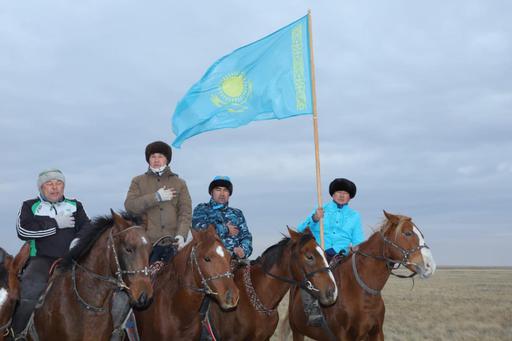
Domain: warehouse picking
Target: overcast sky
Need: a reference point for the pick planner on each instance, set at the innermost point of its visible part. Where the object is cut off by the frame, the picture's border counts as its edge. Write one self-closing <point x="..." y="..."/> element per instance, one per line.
<point x="414" y="103"/>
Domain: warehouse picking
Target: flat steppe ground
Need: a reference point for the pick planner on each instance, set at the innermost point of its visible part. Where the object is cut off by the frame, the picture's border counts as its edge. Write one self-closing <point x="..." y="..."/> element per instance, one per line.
<point x="454" y="304"/>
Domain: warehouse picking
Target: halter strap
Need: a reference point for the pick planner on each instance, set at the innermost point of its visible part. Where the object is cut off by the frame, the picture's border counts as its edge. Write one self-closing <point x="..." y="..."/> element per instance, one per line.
<point x="205" y="289"/>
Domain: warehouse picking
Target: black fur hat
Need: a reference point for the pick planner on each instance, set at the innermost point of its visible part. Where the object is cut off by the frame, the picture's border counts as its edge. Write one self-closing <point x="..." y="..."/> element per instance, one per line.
<point x="342" y="184"/>
<point x="221" y="181"/>
<point x="159" y="147"/>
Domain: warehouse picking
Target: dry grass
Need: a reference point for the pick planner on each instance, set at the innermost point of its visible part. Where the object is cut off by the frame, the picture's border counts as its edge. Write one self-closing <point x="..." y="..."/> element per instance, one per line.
<point x="455" y="304"/>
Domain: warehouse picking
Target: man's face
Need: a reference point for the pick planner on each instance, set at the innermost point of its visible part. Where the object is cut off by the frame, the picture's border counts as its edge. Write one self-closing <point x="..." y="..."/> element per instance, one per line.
<point x="220" y="195"/>
<point x="53" y="190"/>
<point x="341" y="197"/>
<point x="157" y="160"/>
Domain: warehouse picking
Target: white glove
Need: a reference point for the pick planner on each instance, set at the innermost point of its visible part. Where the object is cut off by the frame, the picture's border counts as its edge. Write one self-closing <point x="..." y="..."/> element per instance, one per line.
<point x="179" y="241"/>
<point x="165" y="194"/>
<point x="65" y="221"/>
<point x="73" y="243"/>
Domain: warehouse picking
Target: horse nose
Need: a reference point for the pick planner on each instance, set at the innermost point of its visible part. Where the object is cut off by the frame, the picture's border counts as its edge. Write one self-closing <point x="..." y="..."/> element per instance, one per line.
<point x="143" y="299"/>
<point x="332" y="293"/>
<point x="231" y="298"/>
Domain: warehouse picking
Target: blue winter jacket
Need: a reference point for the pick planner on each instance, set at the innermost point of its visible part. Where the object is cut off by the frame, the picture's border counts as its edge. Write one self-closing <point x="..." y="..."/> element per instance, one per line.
<point x="219" y="215"/>
<point x="342" y="227"/>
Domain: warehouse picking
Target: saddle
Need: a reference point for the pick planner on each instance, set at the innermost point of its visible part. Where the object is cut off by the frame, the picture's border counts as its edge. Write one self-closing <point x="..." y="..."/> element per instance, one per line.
<point x="164" y="250"/>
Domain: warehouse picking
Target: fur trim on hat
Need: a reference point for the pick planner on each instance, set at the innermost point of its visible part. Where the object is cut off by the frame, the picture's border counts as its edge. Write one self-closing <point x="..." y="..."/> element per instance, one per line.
<point x="342" y="184"/>
<point x="221" y="181"/>
<point x="159" y="147"/>
<point x="48" y="175"/>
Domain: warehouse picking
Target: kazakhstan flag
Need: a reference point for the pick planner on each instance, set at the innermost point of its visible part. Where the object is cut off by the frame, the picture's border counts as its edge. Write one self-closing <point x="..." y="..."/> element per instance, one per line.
<point x="268" y="79"/>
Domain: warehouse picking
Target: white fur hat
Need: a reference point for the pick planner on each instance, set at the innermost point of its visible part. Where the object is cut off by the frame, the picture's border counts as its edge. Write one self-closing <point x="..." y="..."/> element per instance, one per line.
<point x="48" y="175"/>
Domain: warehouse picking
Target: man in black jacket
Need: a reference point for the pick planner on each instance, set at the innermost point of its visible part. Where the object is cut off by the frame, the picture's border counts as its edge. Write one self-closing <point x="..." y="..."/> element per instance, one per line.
<point x="50" y="223"/>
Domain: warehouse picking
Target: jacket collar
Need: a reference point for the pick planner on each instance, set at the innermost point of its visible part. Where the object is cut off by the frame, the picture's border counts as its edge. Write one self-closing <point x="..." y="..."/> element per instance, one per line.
<point x="338" y="206"/>
<point x="167" y="171"/>
<point x="216" y="206"/>
<point x="44" y="199"/>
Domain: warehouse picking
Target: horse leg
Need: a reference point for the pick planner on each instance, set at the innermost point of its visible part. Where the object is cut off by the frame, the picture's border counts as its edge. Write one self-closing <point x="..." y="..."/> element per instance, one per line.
<point x="376" y="335"/>
<point x="297" y="336"/>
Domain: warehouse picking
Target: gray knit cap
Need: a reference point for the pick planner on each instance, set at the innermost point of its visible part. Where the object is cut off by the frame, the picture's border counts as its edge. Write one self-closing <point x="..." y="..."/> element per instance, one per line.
<point x="48" y="175"/>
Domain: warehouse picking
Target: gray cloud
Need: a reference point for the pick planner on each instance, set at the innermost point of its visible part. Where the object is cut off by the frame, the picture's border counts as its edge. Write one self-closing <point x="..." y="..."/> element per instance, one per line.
<point x="413" y="104"/>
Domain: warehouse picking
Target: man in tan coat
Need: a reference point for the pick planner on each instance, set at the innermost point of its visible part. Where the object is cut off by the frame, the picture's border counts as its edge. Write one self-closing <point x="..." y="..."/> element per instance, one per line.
<point x="162" y="199"/>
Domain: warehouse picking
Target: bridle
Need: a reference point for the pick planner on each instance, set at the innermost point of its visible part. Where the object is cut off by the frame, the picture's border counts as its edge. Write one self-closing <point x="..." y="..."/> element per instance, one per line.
<point x="305" y="283"/>
<point x="116" y="281"/>
<point x="391" y="264"/>
<point x="205" y="288"/>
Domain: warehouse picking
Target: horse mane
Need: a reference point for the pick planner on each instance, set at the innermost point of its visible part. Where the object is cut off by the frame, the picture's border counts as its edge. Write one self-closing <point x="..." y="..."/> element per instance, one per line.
<point x="387" y="224"/>
<point x="90" y="234"/>
<point x="273" y="253"/>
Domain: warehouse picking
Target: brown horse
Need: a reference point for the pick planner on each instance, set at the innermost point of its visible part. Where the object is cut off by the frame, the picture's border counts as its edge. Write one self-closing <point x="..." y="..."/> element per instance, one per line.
<point x="296" y="261"/>
<point x="10" y="267"/>
<point x="112" y="255"/>
<point x="359" y="312"/>
<point x="201" y="268"/>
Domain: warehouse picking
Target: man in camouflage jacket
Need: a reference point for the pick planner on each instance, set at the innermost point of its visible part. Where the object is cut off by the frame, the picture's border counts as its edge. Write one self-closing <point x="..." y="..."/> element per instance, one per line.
<point x="229" y="222"/>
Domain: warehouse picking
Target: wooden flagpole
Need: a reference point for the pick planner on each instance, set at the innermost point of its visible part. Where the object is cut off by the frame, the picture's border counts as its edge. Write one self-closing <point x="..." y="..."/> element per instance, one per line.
<point x="315" y="127"/>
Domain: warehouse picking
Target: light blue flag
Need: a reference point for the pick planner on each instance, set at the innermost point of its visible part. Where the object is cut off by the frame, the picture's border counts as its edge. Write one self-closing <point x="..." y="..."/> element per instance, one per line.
<point x="268" y="79"/>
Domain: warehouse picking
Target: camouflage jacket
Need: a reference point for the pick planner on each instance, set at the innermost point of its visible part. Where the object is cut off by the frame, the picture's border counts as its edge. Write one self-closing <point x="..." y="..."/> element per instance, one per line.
<point x="219" y="215"/>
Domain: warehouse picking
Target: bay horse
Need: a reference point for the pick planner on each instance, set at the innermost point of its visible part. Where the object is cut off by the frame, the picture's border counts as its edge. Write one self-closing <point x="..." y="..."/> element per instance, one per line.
<point x="10" y="267"/>
<point x="200" y="268"/>
<point x="359" y="312"/>
<point x="297" y="261"/>
<point x="112" y="255"/>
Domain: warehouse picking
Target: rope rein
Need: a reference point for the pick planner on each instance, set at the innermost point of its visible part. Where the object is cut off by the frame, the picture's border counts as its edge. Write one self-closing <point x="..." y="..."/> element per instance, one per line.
<point x="253" y="297"/>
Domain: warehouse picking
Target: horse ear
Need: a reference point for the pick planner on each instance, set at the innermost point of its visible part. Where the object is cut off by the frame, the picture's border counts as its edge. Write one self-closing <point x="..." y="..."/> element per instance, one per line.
<point x="307" y="231"/>
<point x="118" y="220"/>
<point x="391" y="217"/>
<point x="293" y="234"/>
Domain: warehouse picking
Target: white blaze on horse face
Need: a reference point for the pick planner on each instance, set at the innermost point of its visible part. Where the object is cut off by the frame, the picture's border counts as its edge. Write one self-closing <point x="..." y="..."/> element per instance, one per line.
<point x="220" y="251"/>
<point x="331" y="276"/>
<point x="3" y="297"/>
<point x="429" y="265"/>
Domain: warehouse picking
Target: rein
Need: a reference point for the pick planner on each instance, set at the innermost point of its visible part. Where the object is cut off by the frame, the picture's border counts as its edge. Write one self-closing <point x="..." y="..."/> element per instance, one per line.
<point x="253" y="297"/>
<point x="5" y="327"/>
<point x="305" y="283"/>
<point x="115" y="281"/>
<point x="205" y="289"/>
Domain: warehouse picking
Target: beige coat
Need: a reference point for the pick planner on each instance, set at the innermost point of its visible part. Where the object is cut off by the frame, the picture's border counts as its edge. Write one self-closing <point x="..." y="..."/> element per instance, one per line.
<point x="172" y="217"/>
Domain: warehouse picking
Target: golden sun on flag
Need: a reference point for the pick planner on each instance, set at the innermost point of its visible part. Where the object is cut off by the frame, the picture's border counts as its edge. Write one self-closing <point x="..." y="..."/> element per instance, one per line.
<point x="234" y="90"/>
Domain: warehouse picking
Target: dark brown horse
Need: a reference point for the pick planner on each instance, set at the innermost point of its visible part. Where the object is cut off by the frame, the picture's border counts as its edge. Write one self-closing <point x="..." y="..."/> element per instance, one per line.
<point x="201" y="268"/>
<point x="296" y="261"/>
<point x="113" y="255"/>
<point x="10" y="285"/>
<point x="359" y="312"/>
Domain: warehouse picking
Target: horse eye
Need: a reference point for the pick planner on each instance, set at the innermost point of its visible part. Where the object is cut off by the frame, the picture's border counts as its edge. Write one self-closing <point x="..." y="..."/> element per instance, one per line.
<point x="408" y="233"/>
<point x="309" y="257"/>
<point x="207" y="259"/>
<point x="128" y="250"/>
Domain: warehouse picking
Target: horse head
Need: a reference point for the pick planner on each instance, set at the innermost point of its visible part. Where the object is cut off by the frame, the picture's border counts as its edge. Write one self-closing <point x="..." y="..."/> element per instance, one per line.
<point x="211" y="267"/>
<point x="131" y="249"/>
<point x="405" y="245"/>
<point x="309" y="265"/>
